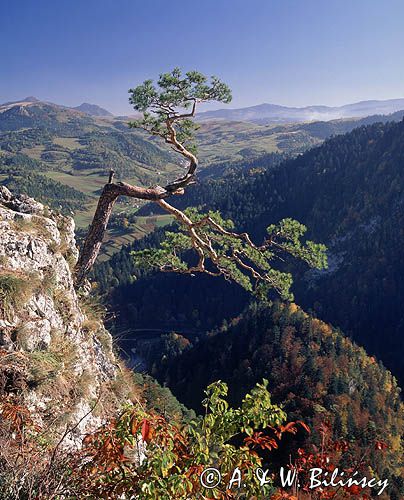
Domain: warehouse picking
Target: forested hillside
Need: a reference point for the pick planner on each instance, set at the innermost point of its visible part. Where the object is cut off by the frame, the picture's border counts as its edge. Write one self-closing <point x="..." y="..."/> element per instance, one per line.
<point x="70" y="142"/>
<point x="349" y="193"/>
<point x="62" y="157"/>
<point x="317" y="373"/>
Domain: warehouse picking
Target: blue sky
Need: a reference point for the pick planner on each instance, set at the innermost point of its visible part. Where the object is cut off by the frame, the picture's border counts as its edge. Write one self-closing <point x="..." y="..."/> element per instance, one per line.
<point x="291" y="52"/>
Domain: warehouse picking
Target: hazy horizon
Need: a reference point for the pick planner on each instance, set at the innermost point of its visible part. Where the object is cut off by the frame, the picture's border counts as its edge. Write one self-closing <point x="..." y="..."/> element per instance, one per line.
<point x="217" y="107"/>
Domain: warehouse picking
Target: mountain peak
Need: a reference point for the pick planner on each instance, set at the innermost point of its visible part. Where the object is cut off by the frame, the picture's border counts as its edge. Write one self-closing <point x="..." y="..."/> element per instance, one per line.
<point x="92" y="109"/>
<point x="30" y="98"/>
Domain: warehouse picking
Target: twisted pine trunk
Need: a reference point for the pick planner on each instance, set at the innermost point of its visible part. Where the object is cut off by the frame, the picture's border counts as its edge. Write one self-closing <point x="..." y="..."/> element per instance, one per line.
<point x="109" y="195"/>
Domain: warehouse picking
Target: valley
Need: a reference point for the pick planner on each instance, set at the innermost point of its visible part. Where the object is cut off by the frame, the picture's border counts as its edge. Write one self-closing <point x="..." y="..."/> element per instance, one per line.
<point x="349" y="193"/>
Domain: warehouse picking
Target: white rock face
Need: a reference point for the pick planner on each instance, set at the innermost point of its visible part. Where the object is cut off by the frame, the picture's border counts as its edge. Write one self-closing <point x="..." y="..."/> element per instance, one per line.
<point x="66" y="365"/>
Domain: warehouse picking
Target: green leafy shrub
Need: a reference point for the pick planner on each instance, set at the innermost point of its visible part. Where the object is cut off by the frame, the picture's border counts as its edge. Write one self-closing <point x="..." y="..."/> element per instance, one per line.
<point x="176" y="454"/>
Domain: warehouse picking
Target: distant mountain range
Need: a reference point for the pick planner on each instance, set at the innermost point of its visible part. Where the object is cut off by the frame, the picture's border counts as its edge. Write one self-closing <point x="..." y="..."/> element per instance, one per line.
<point x="273" y="113"/>
<point x="262" y="114"/>
<point x="85" y="107"/>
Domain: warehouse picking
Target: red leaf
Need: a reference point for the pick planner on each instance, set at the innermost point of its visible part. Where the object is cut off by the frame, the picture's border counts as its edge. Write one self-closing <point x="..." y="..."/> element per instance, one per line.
<point x="146" y="430"/>
<point x="134" y="426"/>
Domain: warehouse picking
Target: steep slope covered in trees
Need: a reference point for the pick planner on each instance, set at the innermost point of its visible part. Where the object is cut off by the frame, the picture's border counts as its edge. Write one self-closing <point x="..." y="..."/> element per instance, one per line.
<point x="312" y="368"/>
<point x="64" y="146"/>
<point x="349" y="192"/>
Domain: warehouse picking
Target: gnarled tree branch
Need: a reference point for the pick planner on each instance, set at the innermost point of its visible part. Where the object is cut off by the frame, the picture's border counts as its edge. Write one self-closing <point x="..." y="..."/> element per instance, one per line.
<point x="220" y="251"/>
<point x="95" y="235"/>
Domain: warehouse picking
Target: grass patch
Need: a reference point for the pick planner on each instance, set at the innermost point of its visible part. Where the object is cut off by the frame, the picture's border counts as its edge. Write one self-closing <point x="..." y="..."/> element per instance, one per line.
<point x="31" y="224"/>
<point x="124" y="387"/>
<point x="15" y="290"/>
<point x="71" y="143"/>
<point x="44" y="365"/>
<point x="63" y="304"/>
<point x="83" y="386"/>
<point x="3" y="260"/>
<point x="94" y="312"/>
<point x="104" y="338"/>
<point x="52" y="368"/>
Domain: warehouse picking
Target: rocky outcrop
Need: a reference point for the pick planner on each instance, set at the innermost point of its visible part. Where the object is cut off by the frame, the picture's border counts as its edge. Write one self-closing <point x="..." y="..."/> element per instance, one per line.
<point x="54" y="350"/>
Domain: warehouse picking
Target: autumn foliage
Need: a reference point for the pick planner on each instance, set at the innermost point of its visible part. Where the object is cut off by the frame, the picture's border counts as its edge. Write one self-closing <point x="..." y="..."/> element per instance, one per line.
<point x="143" y="455"/>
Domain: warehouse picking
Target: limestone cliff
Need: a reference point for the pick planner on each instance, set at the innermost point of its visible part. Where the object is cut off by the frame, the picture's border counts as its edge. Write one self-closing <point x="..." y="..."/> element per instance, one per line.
<point x="55" y="353"/>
